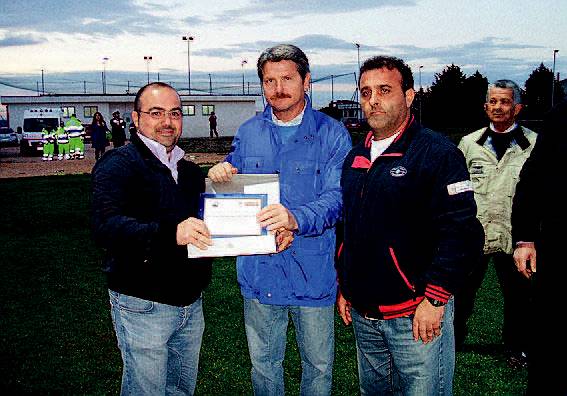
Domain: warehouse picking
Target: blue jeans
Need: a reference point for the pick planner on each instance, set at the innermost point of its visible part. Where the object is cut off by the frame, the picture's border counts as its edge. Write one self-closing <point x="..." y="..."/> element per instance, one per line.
<point x="159" y="344"/>
<point x="390" y="362"/>
<point x="266" y="331"/>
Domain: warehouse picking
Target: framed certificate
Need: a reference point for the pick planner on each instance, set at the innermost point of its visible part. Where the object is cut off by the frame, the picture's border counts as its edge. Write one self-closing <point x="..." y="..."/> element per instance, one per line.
<point x="229" y="215"/>
<point x="229" y="210"/>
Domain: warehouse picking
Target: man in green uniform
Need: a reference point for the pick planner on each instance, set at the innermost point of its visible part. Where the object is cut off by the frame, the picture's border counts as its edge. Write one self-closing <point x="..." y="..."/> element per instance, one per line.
<point x="75" y="130"/>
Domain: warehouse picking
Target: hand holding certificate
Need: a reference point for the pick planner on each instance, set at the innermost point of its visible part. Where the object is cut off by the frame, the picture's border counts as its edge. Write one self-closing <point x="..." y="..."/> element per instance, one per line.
<point x="229" y="211"/>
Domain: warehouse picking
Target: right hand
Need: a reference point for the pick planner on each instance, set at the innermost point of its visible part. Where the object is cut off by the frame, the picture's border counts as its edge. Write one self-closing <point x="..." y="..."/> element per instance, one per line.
<point x="194" y="232"/>
<point x="343" y="306"/>
<point x="222" y="172"/>
<point x="524" y="253"/>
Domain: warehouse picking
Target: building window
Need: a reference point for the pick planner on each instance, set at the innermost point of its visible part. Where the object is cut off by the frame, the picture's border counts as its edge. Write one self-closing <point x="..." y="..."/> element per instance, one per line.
<point x="188" y="110"/>
<point x="208" y="109"/>
<point x="89" y="111"/>
<point x="68" y="111"/>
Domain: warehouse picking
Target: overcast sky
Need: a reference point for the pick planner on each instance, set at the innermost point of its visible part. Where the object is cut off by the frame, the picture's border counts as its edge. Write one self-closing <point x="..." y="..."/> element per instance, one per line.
<point x="502" y="39"/>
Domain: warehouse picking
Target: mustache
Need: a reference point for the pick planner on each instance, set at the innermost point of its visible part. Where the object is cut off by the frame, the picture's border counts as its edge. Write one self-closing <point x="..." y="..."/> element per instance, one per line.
<point x="281" y="96"/>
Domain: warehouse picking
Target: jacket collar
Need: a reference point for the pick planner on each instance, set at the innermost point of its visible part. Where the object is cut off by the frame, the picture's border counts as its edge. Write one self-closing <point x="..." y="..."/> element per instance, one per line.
<point x="518" y="133"/>
<point x="307" y="112"/>
<point x="144" y="150"/>
<point x="402" y="141"/>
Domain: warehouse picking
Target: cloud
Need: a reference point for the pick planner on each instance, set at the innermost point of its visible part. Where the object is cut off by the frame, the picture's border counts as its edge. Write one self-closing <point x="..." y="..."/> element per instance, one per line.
<point x="106" y="18"/>
<point x="486" y="48"/>
<point x="20" y="40"/>
<point x="194" y="21"/>
<point x="286" y="8"/>
<point x="310" y="43"/>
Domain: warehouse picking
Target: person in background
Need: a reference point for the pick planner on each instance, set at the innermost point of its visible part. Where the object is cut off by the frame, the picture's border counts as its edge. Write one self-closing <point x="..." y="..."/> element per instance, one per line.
<point x="98" y="134"/>
<point x="539" y="217"/>
<point x="48" y="139"/>
<point x="145" y="205"/>
<point x="76" y="133"/>
<point x="118" y="129"/>
<point x="132" y="129"/>
<point x="62" y="139"/>
<point x="410" y="237"/>
<point x="495" y="155"/>
<point x="213" y="124"/>
<point x="306" y="148"/>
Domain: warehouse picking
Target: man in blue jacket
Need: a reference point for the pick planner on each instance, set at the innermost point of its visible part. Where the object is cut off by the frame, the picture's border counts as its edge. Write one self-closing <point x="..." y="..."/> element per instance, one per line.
<point x="411" y="237"/>
<point x="306" y="148"/>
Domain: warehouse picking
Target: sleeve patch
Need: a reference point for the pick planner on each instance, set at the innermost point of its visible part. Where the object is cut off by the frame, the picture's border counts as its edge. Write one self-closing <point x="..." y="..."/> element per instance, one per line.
<point x="460" y="187"/>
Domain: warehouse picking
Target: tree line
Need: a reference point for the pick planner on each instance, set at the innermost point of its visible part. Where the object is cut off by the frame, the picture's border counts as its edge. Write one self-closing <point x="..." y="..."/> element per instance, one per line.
<point x="456" y="101"/>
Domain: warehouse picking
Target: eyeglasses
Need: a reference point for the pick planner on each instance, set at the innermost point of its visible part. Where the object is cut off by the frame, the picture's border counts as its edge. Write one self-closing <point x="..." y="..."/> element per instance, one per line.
<point x="157" y="114"/>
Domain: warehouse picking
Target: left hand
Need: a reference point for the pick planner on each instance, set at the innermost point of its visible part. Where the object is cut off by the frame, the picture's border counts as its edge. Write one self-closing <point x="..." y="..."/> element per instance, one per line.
<point x="427" y="321"/>
<point x="284" y="238"/>
<point x="276" y="216"/>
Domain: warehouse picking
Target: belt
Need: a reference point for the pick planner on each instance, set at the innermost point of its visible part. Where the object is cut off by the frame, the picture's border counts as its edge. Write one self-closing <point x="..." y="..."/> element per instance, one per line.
<point x="371" y="313"/>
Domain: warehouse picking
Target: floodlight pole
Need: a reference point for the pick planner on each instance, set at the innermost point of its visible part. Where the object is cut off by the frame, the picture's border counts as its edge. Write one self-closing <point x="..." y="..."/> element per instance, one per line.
<point x="555" y="51"/>
<point x="188" y="38"/>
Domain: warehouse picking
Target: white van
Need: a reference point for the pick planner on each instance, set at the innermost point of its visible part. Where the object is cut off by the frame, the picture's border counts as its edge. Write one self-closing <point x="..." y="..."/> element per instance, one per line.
<point x="35" y="120"/>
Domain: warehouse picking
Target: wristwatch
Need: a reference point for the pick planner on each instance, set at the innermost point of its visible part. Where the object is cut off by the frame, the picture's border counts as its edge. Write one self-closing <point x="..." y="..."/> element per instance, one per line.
<point x="434" y="302"/>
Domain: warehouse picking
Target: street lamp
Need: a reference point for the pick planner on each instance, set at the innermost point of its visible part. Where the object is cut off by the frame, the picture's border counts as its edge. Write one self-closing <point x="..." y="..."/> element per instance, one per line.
<point x="242" y="63"/>
<point x="358" y="73"/>
<point x="420" y="92"/>
<point x="553" y="79"/>
<point x="148" y="59"/>
<point x="104" y="60"/>
<point x="188" y="39"/>
<point x="358" y="55"/>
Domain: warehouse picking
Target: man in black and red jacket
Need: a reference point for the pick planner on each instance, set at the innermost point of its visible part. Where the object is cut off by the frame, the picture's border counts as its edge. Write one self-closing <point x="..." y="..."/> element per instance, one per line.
<point x="411" y="237"/>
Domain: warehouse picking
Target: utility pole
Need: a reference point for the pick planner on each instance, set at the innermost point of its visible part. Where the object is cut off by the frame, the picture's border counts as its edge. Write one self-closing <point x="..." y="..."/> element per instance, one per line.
<point x="420" y="93"/>
<point x="104" y="60"/>
<point x="242" y="63"/>
<point x="555" y="51"/>
<point x="148" y="59"/>
<point x="188" y="38"/>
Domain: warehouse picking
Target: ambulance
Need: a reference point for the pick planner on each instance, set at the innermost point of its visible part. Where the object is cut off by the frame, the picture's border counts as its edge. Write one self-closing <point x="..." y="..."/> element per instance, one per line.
<point x="35" y="120"/>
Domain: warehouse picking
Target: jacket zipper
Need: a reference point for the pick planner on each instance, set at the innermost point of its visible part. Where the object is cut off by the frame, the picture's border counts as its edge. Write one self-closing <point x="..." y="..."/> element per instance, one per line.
<point x="397" y="264"/>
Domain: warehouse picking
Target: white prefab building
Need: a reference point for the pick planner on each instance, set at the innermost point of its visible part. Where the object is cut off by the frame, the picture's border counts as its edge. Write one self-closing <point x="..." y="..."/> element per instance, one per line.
<point x="231" y="111"/>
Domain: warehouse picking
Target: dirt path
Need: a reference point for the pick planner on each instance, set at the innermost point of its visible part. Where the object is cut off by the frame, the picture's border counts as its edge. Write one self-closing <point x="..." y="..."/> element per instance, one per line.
<point x="13" y="165"/>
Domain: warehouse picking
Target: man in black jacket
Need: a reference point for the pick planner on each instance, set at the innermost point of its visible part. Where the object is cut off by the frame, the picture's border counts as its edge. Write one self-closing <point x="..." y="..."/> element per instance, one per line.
<point x="411" y="236"/>
<point x="539" y="218"/>
<point x="145" y="203"/>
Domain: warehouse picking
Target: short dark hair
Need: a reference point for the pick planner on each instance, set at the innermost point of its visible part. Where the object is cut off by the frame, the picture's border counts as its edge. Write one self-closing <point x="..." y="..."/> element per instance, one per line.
<point x="144" y="88"/>
<point x="282" y="52"/>
<point x="390" y="63"/>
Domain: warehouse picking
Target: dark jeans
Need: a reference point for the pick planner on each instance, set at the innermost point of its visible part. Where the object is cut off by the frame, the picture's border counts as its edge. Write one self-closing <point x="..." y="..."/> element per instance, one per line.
<point x="516" y="292"/>
<point x="213" y="130"/>
<point x="98" y="152"/>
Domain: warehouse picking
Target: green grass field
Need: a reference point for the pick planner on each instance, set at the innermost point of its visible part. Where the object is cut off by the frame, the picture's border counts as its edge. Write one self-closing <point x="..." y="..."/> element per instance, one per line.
<point x="56" y="334"/>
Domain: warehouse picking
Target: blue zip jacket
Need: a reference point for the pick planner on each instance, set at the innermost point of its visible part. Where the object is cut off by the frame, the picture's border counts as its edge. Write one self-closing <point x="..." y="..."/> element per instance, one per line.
<point x="309" y="166"/>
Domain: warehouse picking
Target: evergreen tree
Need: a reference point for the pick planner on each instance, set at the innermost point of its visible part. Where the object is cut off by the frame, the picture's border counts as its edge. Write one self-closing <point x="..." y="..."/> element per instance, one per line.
<point x="475" y="96"/>
<point x="538" y="93"/>
<point x="444" y="99"/>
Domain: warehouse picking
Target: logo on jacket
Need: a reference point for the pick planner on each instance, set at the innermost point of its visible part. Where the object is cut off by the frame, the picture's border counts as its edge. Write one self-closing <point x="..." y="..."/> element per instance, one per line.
<point x="398" y="171"/>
